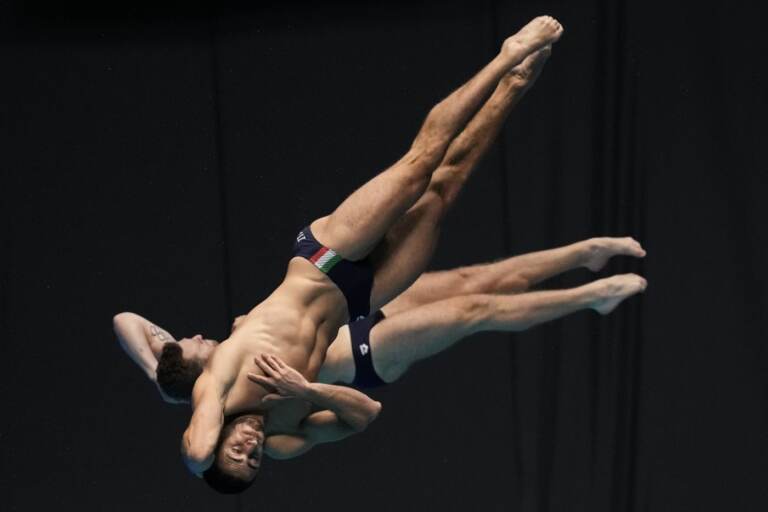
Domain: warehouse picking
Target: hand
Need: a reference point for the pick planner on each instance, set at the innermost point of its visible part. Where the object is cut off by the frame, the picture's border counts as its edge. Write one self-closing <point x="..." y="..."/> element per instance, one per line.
<point x="278" y="376"/>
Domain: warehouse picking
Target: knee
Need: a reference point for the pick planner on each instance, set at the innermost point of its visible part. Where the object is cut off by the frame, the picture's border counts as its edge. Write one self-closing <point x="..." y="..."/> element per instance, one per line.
<point x="433" y="205"/>
<point x="470" y="281"/>
<point x="447" y="182"/>
<point x="516" y="284"/>
<point x="473" y="310"/>
<point x="428" y="151"/>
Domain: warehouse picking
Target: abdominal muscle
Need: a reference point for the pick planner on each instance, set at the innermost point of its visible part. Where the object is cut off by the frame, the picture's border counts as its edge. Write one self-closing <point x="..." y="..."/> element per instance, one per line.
<point x="296" y="323"/>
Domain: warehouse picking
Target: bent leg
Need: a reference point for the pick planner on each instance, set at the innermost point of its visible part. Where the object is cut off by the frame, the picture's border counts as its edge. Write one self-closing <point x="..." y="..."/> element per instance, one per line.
<point x="409" y="336"/>
<point x="360" y="222"/>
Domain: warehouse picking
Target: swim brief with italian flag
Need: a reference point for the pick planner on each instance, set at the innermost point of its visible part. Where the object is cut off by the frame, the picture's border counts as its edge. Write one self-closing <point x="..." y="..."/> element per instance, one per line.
<point x="353" y="278"/>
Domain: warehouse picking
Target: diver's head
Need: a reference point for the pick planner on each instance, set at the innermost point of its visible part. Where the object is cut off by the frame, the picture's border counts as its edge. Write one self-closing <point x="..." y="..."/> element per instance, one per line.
<point x="238" y="455"/>
<point x="180" y="364"/>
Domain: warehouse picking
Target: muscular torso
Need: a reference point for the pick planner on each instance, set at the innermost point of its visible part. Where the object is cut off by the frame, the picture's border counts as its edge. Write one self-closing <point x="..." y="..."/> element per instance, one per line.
<point x="296" y="323"/>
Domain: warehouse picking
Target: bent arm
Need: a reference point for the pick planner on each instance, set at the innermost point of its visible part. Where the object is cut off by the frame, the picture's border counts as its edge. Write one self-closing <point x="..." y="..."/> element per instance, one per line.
<point x="318" y="428"/>
<point x="351" y="406"/>
<point x="346" y="410"/>
<point x="198" y="445"/>
<point x="141" y="340"/>
<point x="355" y="409"/>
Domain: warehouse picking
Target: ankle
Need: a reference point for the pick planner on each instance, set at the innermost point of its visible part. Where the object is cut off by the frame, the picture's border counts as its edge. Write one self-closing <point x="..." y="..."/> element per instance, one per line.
<point x="583" y="251"/>
<point x="590" y="294"/>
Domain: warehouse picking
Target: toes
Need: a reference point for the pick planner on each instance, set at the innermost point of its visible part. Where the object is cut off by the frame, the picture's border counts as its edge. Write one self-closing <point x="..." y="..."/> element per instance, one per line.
<point x="641" y="282"/>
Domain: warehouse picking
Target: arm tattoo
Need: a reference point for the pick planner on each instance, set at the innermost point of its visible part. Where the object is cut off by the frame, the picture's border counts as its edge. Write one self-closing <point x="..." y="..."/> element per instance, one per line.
<point x="156" y="331"/>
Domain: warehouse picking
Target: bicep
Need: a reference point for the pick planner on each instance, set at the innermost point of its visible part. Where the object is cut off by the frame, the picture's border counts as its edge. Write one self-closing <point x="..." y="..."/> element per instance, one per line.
<point x="317" y="428"/>
<point x="132" y="336"/>
<point x="157" y="337"/>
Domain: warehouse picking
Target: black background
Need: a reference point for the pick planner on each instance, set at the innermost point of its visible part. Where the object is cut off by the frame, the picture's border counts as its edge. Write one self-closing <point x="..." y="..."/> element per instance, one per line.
<point x="160" y="157"/>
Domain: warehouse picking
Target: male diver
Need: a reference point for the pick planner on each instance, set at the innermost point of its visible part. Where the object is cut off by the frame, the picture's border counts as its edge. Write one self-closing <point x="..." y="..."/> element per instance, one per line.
<point x="345" y="265"/>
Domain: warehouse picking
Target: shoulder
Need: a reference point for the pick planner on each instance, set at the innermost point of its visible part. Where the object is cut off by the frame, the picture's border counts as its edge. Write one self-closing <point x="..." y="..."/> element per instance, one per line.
<point x="210" y="387"/>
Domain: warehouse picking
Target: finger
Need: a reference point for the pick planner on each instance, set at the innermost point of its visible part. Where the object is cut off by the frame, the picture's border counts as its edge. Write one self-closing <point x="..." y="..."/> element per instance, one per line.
<point x="279" y="362"/>
<point x="271" y="360"/>
<point x="263" y="363"/>
<point x="261" y="379"/>
<point x="255" y="377"/>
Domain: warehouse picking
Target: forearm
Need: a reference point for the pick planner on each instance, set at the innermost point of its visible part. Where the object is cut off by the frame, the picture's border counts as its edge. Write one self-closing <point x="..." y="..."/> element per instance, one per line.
<point x="201" y="437"/>
<point x="198" y="456"/>
<point x="351" y="406"/>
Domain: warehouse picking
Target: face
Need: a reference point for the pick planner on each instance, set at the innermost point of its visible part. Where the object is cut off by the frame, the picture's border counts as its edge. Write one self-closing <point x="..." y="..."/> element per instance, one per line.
<point x="197" y="348"/>
<point x="242" y="446"/>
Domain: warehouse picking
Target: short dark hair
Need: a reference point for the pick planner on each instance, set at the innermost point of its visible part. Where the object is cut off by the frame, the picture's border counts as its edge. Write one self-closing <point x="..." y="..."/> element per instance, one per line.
<point x="225" y="483"/>
<point x="175" y="375"/>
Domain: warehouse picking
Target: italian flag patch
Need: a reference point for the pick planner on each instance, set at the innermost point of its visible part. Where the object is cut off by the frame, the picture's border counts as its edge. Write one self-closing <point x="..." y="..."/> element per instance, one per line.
<point x="325" y="259"/>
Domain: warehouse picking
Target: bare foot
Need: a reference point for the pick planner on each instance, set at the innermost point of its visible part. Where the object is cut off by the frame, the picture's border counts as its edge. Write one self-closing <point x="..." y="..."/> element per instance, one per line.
<point x="612" y="290"/>
<point x="538" y="33"/>
<point x="597" y="251"/>
<point x="529" y="70"/>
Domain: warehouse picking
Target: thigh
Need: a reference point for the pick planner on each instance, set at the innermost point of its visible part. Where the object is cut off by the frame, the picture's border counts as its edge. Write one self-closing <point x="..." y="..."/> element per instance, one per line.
<point x="339" y="364"/>
<point x="406" y="250"/>
<point x="430" y="287"/>
<point x="360" y="222"/>
<point x="400" y="340"/>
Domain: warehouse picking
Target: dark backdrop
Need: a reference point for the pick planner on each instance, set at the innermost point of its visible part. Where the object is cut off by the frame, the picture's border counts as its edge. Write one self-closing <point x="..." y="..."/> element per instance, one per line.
<point x="159" y="158"/>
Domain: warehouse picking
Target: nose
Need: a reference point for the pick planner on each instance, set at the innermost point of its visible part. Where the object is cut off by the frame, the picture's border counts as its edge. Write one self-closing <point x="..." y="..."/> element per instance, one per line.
<point x="198" y="337"/>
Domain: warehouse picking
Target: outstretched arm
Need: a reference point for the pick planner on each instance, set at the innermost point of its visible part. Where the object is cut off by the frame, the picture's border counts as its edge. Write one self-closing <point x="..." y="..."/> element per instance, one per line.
<point x="141" y="340"/>
<point x="346" y="411"/>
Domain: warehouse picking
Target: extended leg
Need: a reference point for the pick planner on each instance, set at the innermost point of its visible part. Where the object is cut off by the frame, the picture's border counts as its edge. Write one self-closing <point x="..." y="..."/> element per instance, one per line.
<point x="408" y="246"/>
<point x="402" y="339"/>
<point x="360" y="222"/>
<point x="408" y="336"/>
<point x="515" y="274"/>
